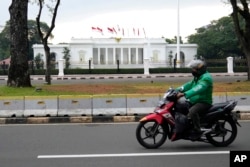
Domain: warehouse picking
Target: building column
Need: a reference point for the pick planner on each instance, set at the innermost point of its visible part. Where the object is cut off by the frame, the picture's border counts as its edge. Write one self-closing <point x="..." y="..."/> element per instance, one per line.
<point x="99" y="56"/>
<point x="114" y="57"/>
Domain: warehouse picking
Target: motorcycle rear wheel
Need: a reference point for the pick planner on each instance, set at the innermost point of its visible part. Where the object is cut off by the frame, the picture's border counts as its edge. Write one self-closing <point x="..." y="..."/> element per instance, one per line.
<point x="224" y="134"/>
<point x="150" y="134"/>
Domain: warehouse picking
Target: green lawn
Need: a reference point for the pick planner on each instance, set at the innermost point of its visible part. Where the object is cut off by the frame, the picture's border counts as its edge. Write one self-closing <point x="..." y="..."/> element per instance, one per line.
<point x="121" y="88"/>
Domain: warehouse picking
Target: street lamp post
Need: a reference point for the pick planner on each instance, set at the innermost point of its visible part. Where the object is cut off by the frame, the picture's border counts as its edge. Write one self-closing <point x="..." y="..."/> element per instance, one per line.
<point x="178" y="35"/>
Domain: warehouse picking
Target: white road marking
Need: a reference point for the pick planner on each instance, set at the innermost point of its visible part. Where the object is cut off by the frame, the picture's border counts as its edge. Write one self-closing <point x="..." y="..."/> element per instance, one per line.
<point x="131" y="154"/>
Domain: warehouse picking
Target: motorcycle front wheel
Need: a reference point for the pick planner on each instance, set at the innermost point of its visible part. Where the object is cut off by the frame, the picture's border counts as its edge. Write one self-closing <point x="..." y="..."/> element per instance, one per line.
<point x="150" y="134"/>
<point x="224" y="132"/>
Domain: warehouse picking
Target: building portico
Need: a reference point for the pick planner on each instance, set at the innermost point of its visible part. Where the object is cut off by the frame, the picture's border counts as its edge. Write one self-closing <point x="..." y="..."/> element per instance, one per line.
<point x="128" y="52"/>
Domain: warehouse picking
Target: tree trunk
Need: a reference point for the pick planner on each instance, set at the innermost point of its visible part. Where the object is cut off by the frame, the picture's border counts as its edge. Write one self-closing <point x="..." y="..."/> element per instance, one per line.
<point x="18" y="75"/>
<point x="48" y="64"/>
<point x="248" y="69"/>
<point x="242" y="33"/>
<point x="44" y="37"/>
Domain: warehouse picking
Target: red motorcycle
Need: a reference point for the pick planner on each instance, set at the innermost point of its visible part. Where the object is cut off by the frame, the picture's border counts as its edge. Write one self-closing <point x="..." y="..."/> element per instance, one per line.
<point x="218" y="125"/>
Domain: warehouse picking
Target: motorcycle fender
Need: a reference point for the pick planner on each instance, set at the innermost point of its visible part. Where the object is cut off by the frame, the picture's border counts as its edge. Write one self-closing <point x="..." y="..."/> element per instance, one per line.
<point x="153" y="117"/>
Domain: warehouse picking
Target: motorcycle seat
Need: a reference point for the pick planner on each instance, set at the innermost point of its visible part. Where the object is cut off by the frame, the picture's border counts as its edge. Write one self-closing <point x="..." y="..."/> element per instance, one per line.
<point x="217" y="106"/>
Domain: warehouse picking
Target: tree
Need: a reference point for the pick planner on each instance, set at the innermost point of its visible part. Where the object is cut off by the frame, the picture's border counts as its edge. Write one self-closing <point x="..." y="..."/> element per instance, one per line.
<point x="45" y="35"/>
<point x="241" y="11"/>
<point x="33" y="35"/>
<point x="38" y="61"/>
<point x="33" y="38"/>
<point x="18" y="75"/>
<point x="66" y="56"/>
<point x="218" y="39"/>
<point x="173" y="41"/>
<point x="5" y="43"/>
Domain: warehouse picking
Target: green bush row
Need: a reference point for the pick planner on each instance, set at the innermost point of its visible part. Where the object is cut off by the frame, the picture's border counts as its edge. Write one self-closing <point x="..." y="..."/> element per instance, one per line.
<point x="129" y="71"/>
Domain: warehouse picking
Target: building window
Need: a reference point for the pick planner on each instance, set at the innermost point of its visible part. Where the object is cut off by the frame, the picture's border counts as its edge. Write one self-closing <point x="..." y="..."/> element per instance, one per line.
<point x="125" y="55"/>
<point x="110" y="56"/>
<point x="82" y="54"/>
<point x="118" y="54"/>
<point x="155" y="57"/>
<point x="103" y="55"/>
<point x="95" y="55"/>
<point x="53" y="60"/>
<point x="140" y="56"/>
<point x="182" y="59"/>
<point x="133" y="55"/>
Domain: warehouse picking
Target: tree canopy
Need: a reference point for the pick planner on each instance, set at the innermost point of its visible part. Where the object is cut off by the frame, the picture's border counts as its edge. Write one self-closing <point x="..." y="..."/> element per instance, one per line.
<point x="33" y="38"/>
<point x="217" y="40"/>
<point x="173" y="41"/>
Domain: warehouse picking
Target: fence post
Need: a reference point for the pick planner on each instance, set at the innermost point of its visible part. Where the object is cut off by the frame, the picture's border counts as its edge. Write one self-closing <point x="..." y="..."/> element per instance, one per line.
<point x="60" y="65"/>
<point x="230" y="65"/>
<point x="89" y="65"/>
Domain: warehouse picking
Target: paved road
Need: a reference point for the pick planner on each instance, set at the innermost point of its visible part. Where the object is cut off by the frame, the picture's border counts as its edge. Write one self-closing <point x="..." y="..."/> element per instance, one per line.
<point x="104" y="145"/>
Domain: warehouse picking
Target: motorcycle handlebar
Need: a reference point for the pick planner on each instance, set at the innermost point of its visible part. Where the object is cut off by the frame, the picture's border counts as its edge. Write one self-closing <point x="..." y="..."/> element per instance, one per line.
<point x="172" y="95"/>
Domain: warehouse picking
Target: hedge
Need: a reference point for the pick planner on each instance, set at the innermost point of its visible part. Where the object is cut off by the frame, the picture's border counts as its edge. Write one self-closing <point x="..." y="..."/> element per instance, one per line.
<point x="129" y="71"/>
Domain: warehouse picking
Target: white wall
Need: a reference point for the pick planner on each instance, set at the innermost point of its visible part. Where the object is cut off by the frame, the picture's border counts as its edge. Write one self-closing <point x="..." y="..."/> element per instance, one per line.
<point x="81" y="51"/>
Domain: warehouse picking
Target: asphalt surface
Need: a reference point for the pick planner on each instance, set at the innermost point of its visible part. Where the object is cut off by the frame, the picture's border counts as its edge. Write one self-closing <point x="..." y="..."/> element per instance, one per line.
<point x="105" y="145"/>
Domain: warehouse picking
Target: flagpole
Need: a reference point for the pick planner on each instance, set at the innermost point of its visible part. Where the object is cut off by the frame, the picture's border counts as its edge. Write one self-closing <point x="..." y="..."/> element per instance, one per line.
<point x="178" y="35"/>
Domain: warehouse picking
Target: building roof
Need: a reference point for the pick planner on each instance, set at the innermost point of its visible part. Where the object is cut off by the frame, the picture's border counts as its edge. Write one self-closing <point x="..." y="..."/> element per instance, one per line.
<point x="6" y="61"/>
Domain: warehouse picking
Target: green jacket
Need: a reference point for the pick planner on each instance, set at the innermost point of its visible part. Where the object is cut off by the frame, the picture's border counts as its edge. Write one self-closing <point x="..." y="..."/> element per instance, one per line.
<point x="199" y="90"/>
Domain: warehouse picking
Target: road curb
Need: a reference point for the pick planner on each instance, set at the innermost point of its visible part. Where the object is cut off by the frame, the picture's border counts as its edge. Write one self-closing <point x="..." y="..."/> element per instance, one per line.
<point x="129" y="76"/>
<point x="86" y="119"/>
<point x="122" y="76"/>
<point x="244" y="116"/>
<point x="80" y="119"/>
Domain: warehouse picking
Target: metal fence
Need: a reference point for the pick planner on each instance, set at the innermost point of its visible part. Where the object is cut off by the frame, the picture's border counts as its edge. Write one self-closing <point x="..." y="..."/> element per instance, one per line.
<point x="210" y="62"/>
<point x="223" y="62"/>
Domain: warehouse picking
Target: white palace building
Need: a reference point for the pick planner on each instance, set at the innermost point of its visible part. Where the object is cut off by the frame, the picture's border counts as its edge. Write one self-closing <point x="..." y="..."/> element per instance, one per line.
<point x="129" y="52"/>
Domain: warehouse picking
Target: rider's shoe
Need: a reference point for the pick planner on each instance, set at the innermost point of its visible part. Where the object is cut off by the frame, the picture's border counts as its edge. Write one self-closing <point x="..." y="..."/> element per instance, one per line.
<point x="195" y="134"/>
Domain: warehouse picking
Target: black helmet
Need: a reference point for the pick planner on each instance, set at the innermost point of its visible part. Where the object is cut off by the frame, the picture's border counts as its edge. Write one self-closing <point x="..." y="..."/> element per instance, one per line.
<point x="199" y="66"/>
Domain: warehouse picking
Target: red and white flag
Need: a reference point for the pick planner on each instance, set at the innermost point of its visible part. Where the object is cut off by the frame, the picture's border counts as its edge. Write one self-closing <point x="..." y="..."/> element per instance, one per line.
<point x="97" y="29"/>
<point x="110" y="30"/>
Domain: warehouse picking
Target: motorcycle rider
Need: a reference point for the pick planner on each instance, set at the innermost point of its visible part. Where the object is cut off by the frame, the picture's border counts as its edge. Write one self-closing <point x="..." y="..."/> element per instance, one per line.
<point x="199" y="92"/>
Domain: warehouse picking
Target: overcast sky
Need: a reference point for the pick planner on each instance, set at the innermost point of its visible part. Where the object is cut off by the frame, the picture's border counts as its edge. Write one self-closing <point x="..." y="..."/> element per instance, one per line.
<point x="157" y="17"/>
